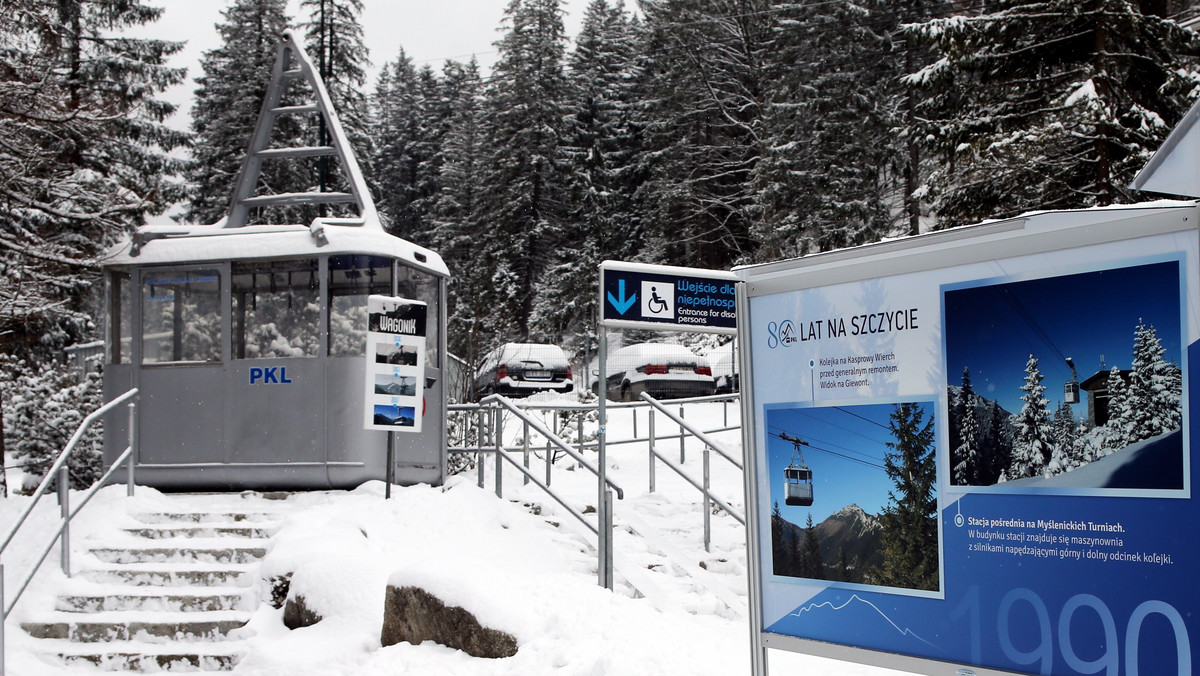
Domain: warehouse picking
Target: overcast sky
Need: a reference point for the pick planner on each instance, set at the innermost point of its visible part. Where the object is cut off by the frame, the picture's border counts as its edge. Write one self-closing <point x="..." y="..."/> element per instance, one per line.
<point x="430" y="31"/>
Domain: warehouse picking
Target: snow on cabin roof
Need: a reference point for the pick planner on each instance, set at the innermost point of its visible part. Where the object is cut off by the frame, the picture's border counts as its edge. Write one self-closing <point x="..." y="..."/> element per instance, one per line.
<point x="176" y="244"/>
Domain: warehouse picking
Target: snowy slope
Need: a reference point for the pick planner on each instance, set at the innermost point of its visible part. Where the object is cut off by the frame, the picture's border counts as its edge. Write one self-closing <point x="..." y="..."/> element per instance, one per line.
<point x="530" y="574"/>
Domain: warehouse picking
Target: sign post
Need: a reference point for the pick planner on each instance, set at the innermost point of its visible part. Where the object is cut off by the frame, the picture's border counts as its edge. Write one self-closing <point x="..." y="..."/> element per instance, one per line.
<point x="658" y="298"/>
<point x="395" y="370"/>
<point x="924" y="490"/>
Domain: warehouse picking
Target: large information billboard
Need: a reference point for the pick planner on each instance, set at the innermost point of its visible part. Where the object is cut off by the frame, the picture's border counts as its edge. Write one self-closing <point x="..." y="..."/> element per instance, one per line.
<point x="974" y="449"/>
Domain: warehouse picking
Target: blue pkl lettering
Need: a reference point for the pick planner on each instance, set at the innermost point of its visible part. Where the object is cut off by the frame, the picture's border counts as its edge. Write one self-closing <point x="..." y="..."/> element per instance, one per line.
<point x="271" y="375"/>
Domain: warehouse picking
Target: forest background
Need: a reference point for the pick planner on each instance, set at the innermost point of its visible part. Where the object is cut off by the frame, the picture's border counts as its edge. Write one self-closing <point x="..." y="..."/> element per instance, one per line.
<point x="705" y="133"/>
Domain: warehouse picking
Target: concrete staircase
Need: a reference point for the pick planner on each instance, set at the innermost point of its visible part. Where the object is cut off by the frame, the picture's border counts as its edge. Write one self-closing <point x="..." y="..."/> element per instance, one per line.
<point x="173" y="593"/>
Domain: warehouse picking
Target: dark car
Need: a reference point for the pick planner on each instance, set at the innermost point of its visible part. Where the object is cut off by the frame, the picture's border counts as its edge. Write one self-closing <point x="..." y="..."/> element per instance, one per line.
<point x="522" y="369"/>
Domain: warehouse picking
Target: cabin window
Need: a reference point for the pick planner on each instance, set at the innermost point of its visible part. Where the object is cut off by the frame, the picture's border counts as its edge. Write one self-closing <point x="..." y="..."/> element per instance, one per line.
<point x="181" y="316"/>
<point x="351" y="279"/>
<point x="276" y="309"/>
<point x="120" y="329"/>
<point x="416" y="285"/>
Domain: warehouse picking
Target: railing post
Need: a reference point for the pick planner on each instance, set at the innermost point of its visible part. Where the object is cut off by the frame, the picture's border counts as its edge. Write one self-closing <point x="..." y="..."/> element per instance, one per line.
<point x="651" y="451"/>
<point x="479" y="427"/>
<point x="64" y="487"/>
<point x="682" y="434"/>
<point x="2" y="616"/>
<point x="707" y="506"/>
<point x="498" y="437"/>
<point x="133" y="441"/>
<point x="606" y="539"/>
<point x="526" y="482"/>
<point x="634" y="410"/>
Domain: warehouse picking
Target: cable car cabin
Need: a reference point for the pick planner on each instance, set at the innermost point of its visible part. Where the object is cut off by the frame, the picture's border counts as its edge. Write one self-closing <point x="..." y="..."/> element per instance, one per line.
<point x="797" y="484"/>
<point x="247" y="339"/>
<point x="248" y="351"/>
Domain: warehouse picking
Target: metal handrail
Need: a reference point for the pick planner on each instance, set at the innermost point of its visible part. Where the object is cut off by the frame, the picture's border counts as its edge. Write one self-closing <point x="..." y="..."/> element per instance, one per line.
<point x="708" y="441"/>
<point x="720" y="503"/>
<point x="62" y="458"/>
<point x="61" y="534"/>
<point x="550" y="436"/>
<point x="531" y="478"/>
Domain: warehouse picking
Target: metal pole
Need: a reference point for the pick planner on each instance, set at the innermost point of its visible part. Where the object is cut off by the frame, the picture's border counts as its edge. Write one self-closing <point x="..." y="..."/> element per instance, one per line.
<point x="499" y="435"/>
<point x="64" y="487"/>
<point x="3" y="615"/>
<point x="479" y="427"/>
<point x="634" y="411"/>
<point x="603" y="519"/>
<point x="707" y="506"/>
<point x="758" y="652"/>
<point x="526" y="482"/>
<point x="651" y="451"/>
<point x="391" y="465"/>
<point x="133" y="440"/>
<point x="682" y="434"/>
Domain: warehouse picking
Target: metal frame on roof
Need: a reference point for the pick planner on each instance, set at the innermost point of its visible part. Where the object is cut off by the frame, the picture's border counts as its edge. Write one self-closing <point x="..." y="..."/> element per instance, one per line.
<point x="291" y="64"/>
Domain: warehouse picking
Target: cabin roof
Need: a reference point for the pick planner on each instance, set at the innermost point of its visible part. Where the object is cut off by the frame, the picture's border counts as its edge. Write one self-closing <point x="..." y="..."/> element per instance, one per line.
<point x="183" y="244"/>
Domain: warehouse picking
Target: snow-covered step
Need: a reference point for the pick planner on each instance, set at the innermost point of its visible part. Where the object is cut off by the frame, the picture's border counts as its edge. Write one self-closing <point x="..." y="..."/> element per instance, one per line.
<point x="151" y="657"/>
<point x="202" y="600"/>
<point x="102" y="627"/>
<point x="181" y="554"/>
<point x="158" y="575"/>
<point x="161" y="531"/>
<point x="207" y="517"/>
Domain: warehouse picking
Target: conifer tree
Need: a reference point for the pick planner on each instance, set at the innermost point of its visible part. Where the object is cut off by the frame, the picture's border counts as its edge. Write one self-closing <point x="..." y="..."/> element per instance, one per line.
<point x="229" y="97"/>
<point x="403" y="144"/>
<point x="333" y="38"/>
<point x="1032" y="446"/>
<point x="828" y="174"/>
<point x="601" y="145"/>
<point x="705" y="79"/>
<point x="1118" y="431"/>
<point x="909" y="520"/>
<point x="1155" y="387"/>
<point x="525" y="179"/>
<point x="1048" y="104"/>
<point x="966" y="458"/>
<point x="84" y="156"/>
<point x="811" y="565"/>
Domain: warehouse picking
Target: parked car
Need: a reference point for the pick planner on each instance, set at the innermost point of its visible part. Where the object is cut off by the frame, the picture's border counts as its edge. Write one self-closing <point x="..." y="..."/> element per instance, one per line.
<point x="725" y="369"/>
<point x="665" y="371"/>
<point x="522" y="369"/>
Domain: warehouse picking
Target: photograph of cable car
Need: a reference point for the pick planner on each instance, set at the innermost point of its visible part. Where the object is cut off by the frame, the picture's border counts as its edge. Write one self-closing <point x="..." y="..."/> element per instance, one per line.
<point x="1070" y="384"/>
<point x="853" y="493"/>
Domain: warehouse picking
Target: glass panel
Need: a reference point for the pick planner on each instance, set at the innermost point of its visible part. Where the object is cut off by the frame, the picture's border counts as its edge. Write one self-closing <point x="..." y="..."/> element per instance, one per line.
<point x="276" y="309"/>
<point x="417" y="285"/>
<point x="351" y="279"/>
<point x="120" y="318"/>
<point x="181" y="316"/>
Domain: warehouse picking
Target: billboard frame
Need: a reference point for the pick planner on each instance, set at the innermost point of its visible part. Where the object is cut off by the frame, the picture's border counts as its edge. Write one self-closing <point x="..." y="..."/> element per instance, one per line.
<point x="1029" y="235"/>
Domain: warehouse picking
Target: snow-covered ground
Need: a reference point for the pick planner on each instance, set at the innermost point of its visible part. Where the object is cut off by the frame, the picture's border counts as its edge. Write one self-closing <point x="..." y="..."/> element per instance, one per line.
<point x="521" y="563"/>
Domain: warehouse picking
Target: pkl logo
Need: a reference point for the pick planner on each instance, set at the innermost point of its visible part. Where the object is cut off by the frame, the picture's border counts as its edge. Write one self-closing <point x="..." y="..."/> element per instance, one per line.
<point x="780" y="333"/>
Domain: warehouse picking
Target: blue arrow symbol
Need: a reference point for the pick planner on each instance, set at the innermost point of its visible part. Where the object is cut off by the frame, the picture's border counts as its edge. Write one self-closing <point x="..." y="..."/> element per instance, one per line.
<point x="624" y="303"/>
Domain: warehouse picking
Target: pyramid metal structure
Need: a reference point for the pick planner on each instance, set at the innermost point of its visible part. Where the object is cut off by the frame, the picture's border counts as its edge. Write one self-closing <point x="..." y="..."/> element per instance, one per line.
<point x="292" y="64"/>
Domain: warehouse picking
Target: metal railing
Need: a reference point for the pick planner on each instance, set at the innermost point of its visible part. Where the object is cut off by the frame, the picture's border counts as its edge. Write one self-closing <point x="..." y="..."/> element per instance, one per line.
<point x="481" y="426"/>
<point x="62" y="533"/>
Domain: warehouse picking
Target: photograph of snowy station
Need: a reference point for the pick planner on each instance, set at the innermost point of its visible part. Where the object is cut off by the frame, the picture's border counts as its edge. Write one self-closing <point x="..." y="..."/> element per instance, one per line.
<point x="1068" y="383"/>
<point x="853" y="495"/>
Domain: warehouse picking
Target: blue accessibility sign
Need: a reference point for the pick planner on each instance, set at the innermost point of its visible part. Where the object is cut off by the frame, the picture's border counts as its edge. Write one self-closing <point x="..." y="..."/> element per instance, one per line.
<point x="686" y="299"/>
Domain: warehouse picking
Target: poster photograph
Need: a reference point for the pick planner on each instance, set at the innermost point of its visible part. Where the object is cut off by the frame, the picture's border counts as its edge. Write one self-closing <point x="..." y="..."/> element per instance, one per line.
<point x="395" y="364"/>
<point x="847" y="484"/>
<point x="983" y="461"/>
<point x="1014" y="350"/>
